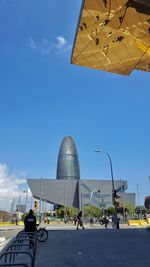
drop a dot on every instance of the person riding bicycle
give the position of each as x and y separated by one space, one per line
106 221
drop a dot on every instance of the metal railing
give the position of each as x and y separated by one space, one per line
24 244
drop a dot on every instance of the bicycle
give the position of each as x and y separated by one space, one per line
41 233
105 222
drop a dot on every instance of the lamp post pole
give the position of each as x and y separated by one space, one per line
19 202
102 202
138 196
40 206
65 202
112 176
91 196
81 201
26 201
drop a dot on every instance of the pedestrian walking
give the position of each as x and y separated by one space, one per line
106 221
115 221
79 221
16 220
91 222
118 221
75 219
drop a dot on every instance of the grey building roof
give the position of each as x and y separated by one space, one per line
74 193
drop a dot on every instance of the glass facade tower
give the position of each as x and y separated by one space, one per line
68 162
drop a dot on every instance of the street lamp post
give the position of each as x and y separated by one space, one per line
27 200
102 206
91 196
102 202
65 215
40 206
112 176
19 201
26 192
138 196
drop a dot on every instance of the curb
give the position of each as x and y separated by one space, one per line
4 244
2 241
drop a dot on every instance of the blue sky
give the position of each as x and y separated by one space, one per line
44 98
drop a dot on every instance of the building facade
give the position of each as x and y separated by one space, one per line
69 191
75 193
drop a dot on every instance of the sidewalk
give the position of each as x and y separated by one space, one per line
87 226
63 226
94 246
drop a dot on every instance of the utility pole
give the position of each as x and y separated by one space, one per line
114 196
31 202
12 205
138 197
65 215
27 200
81 198
122 198
40 206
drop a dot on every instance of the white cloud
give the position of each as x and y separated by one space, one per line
11 186
61 41
60 46
32 44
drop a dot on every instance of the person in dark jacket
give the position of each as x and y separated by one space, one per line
30 222
79 221
30 225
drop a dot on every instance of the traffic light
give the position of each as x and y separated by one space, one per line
35 204
114 199
116 203
115 194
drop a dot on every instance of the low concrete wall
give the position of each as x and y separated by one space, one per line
138 222
10 224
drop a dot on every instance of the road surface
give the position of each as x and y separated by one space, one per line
95 247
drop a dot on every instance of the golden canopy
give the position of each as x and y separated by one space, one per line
113 35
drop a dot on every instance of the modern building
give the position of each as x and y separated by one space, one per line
69 191
68 162
74 193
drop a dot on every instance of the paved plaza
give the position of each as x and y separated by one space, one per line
94 246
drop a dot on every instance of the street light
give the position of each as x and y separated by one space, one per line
91 195
26 192
40 206
81 200
65 213
19 200
112 176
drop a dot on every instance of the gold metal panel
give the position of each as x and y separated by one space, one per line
113 36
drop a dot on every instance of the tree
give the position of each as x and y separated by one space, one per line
110 210
92 211
130 208
69 211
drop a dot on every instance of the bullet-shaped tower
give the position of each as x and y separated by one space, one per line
68 162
